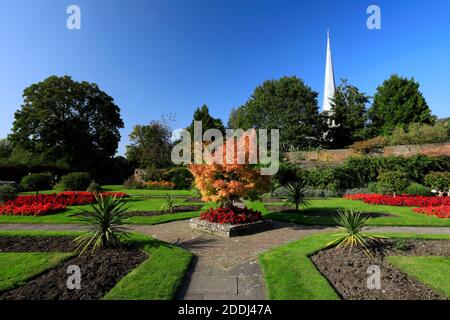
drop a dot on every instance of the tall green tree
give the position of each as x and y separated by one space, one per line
287 104
150 145
398 102
64 120
208 122
5 148
348 116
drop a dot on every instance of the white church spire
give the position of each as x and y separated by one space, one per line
330 85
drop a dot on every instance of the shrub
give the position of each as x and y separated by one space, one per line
320 193
37 182
393 181
95 188
181 177
8 192
106 220
416 189
439 181
417 133
370 146
133 184
75 181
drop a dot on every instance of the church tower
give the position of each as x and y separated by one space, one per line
330 84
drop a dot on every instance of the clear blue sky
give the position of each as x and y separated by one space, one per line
171 56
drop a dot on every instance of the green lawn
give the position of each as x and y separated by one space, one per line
159 277
133 204
17 268
290 275
119 188
401 216
433 271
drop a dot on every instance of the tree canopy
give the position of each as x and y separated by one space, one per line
398 102
208 122
64 120
150 145
348 116
287 104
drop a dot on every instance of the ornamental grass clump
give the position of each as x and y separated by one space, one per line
351 224
105 221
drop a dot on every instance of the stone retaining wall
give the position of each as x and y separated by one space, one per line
340 155
228 230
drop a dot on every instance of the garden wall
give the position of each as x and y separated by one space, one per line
329 157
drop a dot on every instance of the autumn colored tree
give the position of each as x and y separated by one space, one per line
225 181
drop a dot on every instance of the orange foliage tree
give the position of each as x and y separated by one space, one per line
225 183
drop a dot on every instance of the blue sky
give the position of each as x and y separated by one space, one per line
170 56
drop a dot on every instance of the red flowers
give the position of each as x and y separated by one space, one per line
48 203
400 200
437 206
231 216
440 211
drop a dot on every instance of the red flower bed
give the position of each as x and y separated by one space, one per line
440 211
401 200
231 216
432 206
49 203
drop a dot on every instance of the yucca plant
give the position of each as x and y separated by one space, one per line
170 203
350 225
296 193
105 220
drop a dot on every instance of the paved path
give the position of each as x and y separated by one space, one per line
223 268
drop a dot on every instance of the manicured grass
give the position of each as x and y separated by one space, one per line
133 204
17 268
290 275
131 192
433 271
401 216
159 277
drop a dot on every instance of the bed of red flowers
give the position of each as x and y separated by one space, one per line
231 216
49 203
439 211
437 206
401 200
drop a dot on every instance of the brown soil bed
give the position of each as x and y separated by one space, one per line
346 270
100 271
194 199
272 200
324 213
37 244
160 213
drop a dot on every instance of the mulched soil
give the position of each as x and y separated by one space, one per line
272 200
160 213
37 244
325 213
346 270
100 271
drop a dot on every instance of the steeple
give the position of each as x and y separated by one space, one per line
330 85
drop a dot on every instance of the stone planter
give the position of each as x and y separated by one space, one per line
229 230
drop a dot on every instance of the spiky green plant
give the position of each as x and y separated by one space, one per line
351 225
105 221
296 193
169 203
